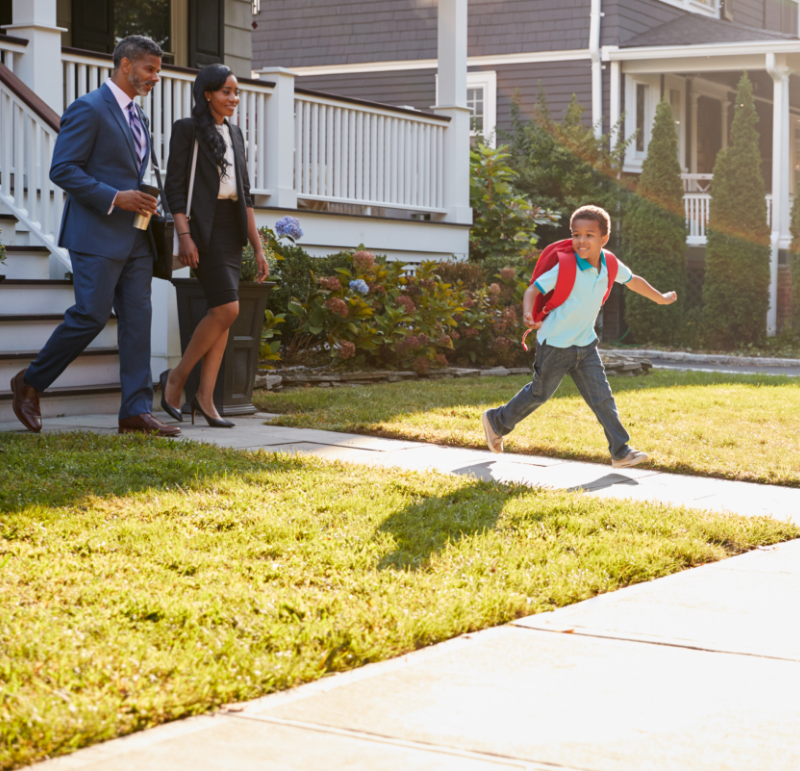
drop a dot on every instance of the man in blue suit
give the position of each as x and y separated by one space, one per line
100 158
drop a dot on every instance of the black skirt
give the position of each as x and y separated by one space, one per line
219 267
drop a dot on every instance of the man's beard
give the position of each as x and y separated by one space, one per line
142 87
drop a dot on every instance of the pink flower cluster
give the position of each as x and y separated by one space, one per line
364 261
470 332
508 274
337 307
420 365
407 303
494 289
330 283
346 349
441 359
377 289
502 344
411 343
445 341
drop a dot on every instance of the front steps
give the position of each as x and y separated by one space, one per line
32 305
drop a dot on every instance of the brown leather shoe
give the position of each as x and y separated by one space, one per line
146 424
26 403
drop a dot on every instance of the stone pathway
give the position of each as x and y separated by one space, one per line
601 480
698 671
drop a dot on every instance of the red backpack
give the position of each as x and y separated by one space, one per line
562 254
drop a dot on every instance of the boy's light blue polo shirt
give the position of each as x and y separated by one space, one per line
573 322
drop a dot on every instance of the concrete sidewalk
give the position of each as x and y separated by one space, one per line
641 484
699 670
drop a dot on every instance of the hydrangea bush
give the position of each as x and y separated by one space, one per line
376 313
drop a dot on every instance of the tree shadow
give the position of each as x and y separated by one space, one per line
424 529
67 469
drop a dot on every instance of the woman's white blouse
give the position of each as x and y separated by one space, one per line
227 185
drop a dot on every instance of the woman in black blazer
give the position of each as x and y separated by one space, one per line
213 235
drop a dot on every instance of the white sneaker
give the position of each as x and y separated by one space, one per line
633 458
493 440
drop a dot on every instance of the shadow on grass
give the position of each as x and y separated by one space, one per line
65 469
425 529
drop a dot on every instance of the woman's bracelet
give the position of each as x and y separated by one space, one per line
184 234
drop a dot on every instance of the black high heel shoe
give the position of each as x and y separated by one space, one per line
165 405
213 422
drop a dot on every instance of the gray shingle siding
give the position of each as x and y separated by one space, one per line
294 33
627 18
417 88
749 12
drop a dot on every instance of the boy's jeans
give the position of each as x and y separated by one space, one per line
586 369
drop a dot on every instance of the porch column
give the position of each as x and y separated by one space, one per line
453 103
40 66
279 138
693 149
779 72
615 103
724 104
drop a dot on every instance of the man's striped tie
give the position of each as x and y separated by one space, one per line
138 132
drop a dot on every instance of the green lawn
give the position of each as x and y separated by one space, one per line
733 426
143 580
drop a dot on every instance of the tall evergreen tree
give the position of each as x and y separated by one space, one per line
654 235
794 262
736 289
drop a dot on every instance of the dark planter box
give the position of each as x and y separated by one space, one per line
237 374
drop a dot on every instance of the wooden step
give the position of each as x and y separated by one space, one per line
26 262
102 399
36 296
30 331
94 366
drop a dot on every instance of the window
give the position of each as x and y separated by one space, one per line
476 101
641 125
482 103
705 7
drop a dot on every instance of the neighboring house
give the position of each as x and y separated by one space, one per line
356 172
617 56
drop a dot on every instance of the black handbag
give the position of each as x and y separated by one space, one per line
163 232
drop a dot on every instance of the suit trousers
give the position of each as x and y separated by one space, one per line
101 284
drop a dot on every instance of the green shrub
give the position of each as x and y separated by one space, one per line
561 165
794 262
736 289
2 250
504 221
654 235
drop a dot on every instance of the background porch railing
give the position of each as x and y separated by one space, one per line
367 154
696 206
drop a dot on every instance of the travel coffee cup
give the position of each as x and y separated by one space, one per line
141 221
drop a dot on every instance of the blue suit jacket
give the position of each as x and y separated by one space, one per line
94 157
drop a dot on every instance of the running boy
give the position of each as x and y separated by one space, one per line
567 343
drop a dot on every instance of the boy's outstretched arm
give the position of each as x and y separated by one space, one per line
527 307
640 286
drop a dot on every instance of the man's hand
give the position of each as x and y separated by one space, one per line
187 254
668 298
136 201
527 320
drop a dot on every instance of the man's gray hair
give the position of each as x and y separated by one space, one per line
134 47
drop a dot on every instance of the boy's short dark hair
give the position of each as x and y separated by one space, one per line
595 214
134 47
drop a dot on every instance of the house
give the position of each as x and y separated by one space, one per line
619 57
355 171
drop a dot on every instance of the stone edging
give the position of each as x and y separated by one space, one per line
615 363
709 358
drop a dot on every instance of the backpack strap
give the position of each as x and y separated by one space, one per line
612 266
567 267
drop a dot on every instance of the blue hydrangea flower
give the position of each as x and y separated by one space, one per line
359 285
289 226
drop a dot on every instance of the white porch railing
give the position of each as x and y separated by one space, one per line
10 49
26 150
358 153
697 206
171 100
